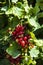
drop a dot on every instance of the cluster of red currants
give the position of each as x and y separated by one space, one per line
15 61
23 41
18 35
18 31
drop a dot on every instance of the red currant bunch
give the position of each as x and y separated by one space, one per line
19 30
23 41
15 61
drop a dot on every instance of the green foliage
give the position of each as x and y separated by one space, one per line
14 1
39 42
40 15
16 12
33 22
14 50
12 13
39 33
36 9
34 52
4 62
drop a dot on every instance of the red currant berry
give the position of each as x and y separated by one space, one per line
20 39
25 38
22 43
26 42
14 33
29 37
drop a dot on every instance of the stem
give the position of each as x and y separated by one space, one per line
9 3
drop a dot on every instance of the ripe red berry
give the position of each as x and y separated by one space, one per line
22 43
14 33
26 42
15 61
28 36
25 38
20 39
19 30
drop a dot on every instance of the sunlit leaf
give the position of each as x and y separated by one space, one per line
16 11
34 23
39 42
14 1
34 52
13 50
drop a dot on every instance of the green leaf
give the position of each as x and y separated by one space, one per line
13 21
3 19
40 15
34 23
13 50
14 1
32 35
20 5
41 54
16 12
39 33
36 9
4 62
38 42
41 6
4 8
34 52
39 0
